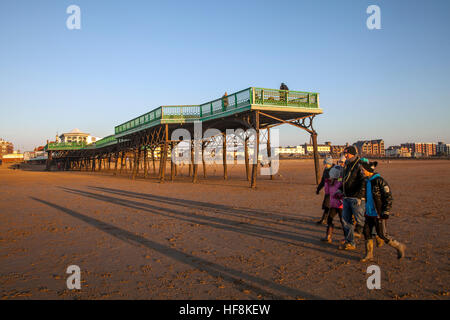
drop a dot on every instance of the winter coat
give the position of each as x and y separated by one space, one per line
382 195
333 189
353 183
325 176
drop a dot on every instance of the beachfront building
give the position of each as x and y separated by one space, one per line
290 151
12 157
38 154
6 147
322 149
76 136
336 150
420 149
372 148
398 152
443 149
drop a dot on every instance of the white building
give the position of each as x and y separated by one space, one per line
295 150
76 136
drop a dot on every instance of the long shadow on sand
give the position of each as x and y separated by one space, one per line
235 277
273 218
219 223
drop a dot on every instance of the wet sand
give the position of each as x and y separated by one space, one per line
213 240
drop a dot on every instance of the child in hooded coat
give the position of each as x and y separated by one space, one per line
328 162
333 184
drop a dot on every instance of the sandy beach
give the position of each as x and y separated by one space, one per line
213 240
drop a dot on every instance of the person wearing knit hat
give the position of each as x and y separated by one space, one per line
378 205
328 162
350 150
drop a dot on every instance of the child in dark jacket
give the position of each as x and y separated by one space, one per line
378 205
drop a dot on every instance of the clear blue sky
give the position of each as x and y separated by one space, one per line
132 56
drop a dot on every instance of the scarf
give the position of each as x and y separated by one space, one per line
370 205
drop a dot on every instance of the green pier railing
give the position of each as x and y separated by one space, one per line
224 106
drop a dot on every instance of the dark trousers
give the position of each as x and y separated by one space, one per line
332 213
380 227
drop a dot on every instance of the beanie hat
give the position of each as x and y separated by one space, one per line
351 150
369 166
335 172
328 160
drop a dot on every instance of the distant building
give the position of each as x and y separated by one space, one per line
76 136
37 155
5 147
420 149
370 147
12 157
336 149
398 152
295 150
321 148
443 149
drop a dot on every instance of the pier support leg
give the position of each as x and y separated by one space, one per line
192 158
256 153
116 162
145 162
121 161
194 163
164 153
49 161
203 160
224 154
137 155
153 160
172 164
316 156
269 153
247 167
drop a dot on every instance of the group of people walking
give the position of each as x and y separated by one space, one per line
361 199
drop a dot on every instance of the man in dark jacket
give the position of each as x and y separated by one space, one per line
353 189
377 211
